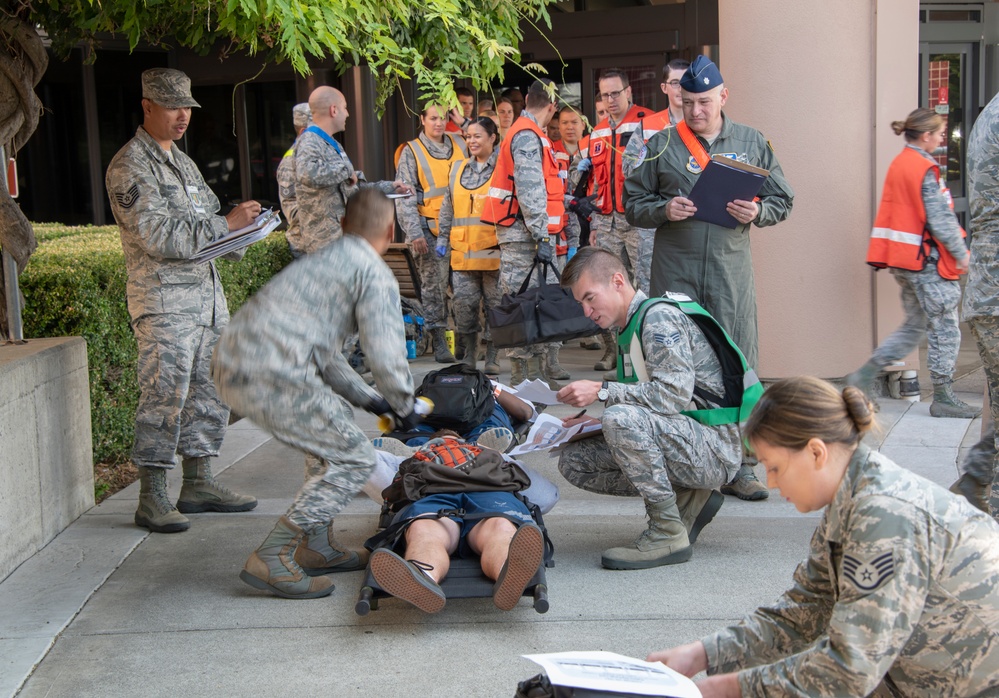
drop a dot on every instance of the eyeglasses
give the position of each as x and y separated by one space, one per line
672 83
609 96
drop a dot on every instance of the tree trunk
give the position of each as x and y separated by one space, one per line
22 65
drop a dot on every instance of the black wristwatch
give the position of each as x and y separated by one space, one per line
603 393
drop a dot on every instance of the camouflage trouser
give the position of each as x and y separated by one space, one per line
641 453
179 409
982 459
472 289
931 304
516 259
433 284
632 245
309 416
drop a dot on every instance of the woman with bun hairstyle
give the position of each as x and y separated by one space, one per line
900 591
916 235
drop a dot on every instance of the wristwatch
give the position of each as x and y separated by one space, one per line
603 393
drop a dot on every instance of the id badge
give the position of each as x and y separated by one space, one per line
195 195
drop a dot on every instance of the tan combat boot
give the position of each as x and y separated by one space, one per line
320 554
975 483
518 372
492 367
664 542
155 510
552 368
697 508
469 347
608 361
947 404
202 492
272 566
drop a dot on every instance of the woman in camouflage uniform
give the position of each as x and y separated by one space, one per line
900 592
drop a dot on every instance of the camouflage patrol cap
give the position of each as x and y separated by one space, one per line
301 115
167 87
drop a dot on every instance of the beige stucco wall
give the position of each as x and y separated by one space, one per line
822 81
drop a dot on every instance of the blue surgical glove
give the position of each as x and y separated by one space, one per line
571 253
584 165
441 250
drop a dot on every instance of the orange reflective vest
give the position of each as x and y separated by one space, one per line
432 173
473 243
900 238
502 206
653 124
605 148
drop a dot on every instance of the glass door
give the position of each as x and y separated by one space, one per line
948 85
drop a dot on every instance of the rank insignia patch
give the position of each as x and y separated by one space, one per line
868 575
128 198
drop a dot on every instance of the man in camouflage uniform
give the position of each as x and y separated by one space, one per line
981 294
866 615
528 236
279 363
710 263
166 213
647 447
301 117
324 176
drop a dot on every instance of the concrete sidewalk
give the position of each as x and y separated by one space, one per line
107 609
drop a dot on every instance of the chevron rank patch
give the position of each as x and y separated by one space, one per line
128 198
667 340
868 575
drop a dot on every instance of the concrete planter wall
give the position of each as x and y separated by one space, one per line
46 457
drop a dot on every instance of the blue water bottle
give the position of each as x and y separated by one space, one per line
410 349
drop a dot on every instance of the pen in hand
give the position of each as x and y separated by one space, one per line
577 416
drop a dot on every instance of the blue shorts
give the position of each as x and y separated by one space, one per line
473 503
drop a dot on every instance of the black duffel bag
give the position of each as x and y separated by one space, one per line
544 313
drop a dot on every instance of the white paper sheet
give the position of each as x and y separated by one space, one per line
536 391
546 432
260 228
607 671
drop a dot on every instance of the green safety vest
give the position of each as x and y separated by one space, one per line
742 386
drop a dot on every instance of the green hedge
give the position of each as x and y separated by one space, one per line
74 285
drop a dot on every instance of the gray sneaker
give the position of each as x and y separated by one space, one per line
497 438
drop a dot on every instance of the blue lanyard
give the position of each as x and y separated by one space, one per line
326 137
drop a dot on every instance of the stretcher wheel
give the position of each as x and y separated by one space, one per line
364 602
541 598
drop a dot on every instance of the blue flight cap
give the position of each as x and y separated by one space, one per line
701 76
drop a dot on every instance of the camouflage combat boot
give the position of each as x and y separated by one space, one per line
536 371
664 542
202 492
947 404
608 361
492 366
745 485
272 566
156 512
442 354
470 345
975 483
552 368
518 372
697 508
863 377
320 554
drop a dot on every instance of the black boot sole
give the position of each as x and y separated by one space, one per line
171 528
706 514
671 559
189 508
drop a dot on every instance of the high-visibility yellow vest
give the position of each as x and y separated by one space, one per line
432 173
474 246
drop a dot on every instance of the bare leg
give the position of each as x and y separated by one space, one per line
490 540
431 541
